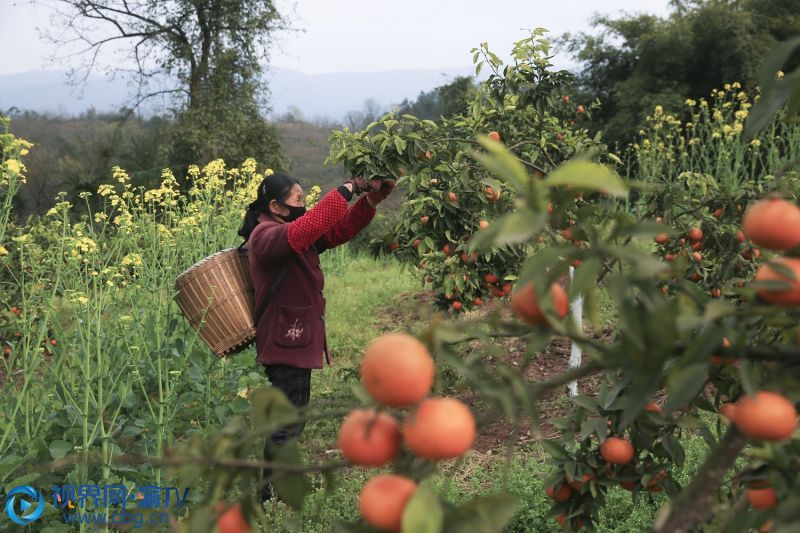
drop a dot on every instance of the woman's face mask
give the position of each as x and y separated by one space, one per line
295 212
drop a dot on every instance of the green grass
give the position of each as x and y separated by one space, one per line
357 287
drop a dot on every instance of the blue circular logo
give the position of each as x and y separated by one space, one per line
30 493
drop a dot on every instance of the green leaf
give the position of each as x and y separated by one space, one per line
519 226
515 227
588 176
555 450
718 309
593 425
503 163
59 448
485 514
673 447
291 487
684 383
587 403
271 407
423 513
585 277
689 422
774 92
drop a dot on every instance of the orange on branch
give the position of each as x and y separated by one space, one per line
232 520
369 438
617 451
563 494
773 223
397 369
440 428
384 498
786 296
762 498
767 416
526 307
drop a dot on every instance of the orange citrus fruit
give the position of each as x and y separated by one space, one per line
397 369
440 428
383 500
525 306
369 438
773 223
768 416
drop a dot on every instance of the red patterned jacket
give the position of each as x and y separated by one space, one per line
292 329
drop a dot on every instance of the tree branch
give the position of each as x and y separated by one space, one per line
693 506
173 461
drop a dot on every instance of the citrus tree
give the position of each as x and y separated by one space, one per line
714 333
450 195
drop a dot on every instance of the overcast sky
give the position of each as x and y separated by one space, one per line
365 35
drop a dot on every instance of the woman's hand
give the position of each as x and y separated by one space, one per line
384 189
359 185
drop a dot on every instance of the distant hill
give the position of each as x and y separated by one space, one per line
306 145
316 96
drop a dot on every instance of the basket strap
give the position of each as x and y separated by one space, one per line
271 294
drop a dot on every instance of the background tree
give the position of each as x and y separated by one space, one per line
446 100
206 54
637 61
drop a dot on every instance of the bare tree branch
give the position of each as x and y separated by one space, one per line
693 506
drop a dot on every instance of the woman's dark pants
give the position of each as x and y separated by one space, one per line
296 385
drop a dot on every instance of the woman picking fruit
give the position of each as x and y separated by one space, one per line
284 242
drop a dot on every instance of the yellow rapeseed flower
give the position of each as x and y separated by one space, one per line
14 166
755 143
120 175
741 114
3 250
779 75
249 165
76 297
690 102
658 111
716 135
132 259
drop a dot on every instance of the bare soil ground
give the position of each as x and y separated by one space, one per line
412 308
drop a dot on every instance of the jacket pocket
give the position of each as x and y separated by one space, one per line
292 327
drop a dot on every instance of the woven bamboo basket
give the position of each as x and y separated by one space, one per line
217 298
